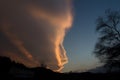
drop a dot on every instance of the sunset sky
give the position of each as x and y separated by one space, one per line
58 33
80 40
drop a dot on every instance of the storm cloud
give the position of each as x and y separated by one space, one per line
32 31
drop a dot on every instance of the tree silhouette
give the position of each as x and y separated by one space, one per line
43 65
107 48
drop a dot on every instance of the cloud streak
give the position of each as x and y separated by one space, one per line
36 31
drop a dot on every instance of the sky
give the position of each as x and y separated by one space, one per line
80 40
58 33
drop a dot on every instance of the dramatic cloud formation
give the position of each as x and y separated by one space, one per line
32 31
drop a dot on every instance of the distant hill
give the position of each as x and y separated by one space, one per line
100 69
17 70
9 70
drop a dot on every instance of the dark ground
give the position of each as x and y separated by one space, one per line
10 70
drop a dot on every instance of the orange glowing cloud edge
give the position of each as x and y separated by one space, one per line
64 23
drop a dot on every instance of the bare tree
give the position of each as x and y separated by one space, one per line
107 48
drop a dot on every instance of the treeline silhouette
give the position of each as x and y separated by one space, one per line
10 70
